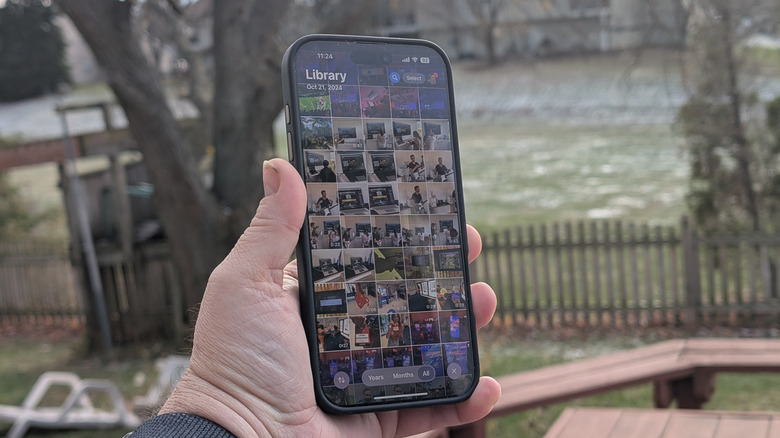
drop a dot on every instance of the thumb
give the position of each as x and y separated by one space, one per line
266 245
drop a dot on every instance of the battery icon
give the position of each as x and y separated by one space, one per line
425 60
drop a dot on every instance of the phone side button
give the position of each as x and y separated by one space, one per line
289 147
287 114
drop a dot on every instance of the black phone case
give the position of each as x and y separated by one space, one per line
303 249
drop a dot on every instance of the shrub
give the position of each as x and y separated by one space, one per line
32 50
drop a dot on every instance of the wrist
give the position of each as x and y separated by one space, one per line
196 396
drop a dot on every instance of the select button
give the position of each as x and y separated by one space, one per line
414 78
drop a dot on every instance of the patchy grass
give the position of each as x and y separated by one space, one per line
533 172
766 59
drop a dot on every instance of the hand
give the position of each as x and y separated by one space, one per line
250 370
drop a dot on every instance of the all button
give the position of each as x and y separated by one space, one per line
426 373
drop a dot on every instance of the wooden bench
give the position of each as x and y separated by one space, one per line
682 370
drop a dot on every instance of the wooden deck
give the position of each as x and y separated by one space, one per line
681 370
661 423
667 364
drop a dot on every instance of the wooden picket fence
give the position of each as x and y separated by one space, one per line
595 273
621 274
37 281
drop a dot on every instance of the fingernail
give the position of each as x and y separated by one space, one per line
270 178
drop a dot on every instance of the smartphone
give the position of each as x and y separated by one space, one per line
382 256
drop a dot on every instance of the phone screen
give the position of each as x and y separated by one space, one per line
374 139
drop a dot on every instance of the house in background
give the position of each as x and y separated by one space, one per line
528 28
463 28
84 68
534 27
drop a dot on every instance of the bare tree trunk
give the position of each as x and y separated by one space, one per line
490 43
248 49
189 214
247 99
743 152
249 39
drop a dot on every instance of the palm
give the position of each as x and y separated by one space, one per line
261 348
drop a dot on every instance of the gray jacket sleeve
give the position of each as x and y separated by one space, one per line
178 425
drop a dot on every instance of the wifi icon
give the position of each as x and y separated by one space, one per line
415 59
